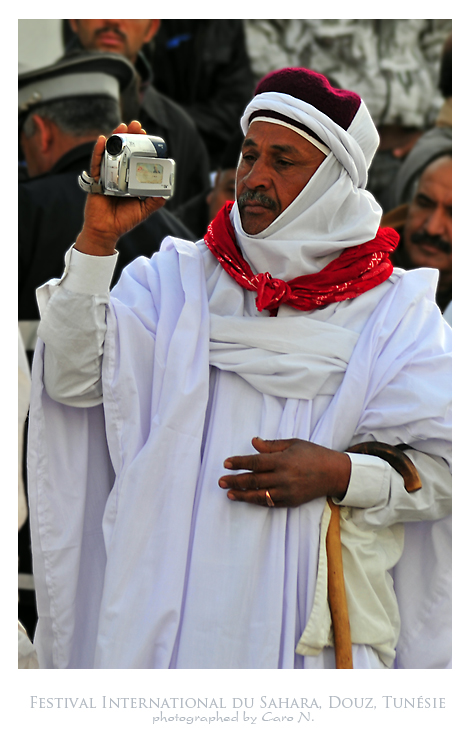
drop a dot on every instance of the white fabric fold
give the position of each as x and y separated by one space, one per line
289 359
316 143
342 143
147 582
374 618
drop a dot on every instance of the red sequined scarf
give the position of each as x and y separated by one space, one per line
354 272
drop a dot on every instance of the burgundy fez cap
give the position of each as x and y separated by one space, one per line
339 105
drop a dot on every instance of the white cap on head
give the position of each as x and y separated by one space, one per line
82 74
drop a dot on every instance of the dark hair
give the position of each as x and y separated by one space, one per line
445 73
78 116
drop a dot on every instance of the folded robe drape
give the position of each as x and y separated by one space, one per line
141 560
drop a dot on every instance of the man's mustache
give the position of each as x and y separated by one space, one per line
258 197
434 240
113 29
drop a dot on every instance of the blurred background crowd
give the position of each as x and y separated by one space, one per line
189 81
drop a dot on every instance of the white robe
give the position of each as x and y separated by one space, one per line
141 561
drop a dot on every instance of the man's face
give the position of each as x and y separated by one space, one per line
125 37
428 228
276 164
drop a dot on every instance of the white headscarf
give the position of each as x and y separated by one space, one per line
332 212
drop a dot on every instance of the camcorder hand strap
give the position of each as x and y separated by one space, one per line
88 184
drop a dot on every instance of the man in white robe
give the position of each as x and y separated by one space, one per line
286 332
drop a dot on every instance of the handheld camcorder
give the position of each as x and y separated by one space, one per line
133 165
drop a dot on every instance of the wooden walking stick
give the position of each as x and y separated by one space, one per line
336 586
337 592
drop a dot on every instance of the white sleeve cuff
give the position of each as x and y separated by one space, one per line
88 274
83 274
369 483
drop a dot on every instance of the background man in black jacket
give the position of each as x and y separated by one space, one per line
62 109
157 114
57 135
203 65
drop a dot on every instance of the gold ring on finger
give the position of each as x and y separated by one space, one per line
269 500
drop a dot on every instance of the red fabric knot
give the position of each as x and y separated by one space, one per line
271 291
355 271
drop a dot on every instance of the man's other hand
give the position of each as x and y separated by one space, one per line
292 471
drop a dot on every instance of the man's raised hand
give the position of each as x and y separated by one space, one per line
109 217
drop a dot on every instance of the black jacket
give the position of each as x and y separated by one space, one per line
203 65
164 118
50 215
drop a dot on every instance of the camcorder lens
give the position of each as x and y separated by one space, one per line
114 145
